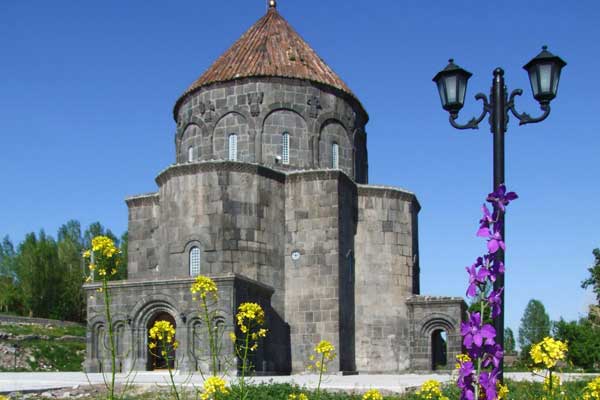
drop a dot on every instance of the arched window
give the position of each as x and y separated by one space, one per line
190 154
335 155
233 147
194 261
285 148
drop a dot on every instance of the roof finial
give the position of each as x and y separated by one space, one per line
272 4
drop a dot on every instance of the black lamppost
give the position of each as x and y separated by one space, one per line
544 75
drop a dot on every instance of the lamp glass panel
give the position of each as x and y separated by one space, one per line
555 78
545 71
462 88
533 78
451 91
440 85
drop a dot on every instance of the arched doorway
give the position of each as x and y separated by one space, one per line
439 349
155 360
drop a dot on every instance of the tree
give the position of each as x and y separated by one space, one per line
535 326
39 274
594 278
10 296
584 342
70 248
122 270
509 341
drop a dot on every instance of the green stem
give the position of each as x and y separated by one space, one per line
550 384
211 338
244 366
321 367
113 356
165 349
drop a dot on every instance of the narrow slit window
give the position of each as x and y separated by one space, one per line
285 150
233 147
194 261
190 154
335 156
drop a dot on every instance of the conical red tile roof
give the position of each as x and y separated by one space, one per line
270 48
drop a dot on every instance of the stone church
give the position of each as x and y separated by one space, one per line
269 196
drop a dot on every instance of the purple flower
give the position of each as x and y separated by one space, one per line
488 381
484 223
475 334
476 277
495 242
493 355
500 198
495 301
465 380
496 268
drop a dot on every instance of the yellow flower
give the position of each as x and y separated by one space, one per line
502 391
431 389
299 396
592 390
105 246
232 337
325 353
372 394
162 329
262 332
152 345
548 352
555 382
87 254
175 344
92 267
250 312
212 386
204 286
326 349
88 279
461 359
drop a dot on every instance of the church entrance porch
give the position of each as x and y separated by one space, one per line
160 358
137 305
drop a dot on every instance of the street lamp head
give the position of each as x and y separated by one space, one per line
452 86
544 75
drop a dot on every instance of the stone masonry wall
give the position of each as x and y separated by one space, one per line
232 212
312 300
142 227
260 110
384 277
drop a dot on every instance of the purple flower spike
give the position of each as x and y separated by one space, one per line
476 277
495 301
495 243
496 268
465 381
493 355
488 381
484 223
474 334
500 198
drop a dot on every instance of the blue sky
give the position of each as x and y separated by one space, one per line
87 90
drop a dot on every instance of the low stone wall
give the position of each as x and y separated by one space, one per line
14 319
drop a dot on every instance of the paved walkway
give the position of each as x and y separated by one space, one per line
41 381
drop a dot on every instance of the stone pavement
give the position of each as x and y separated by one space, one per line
42 381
